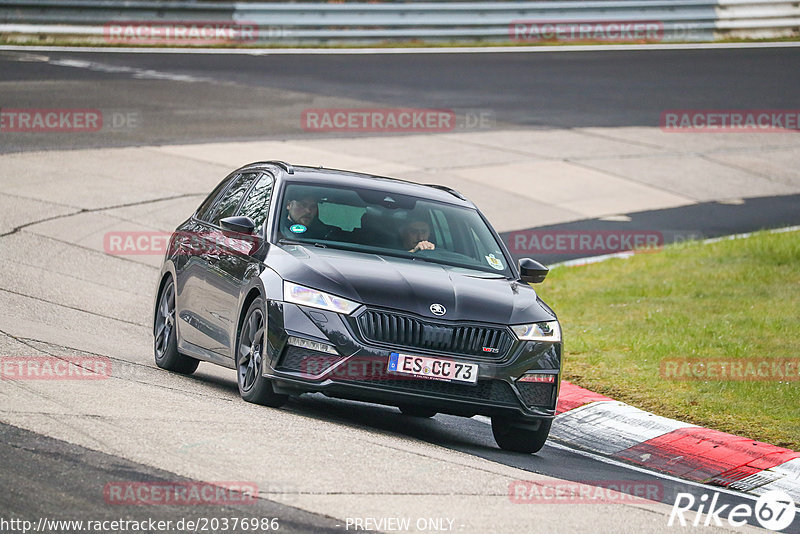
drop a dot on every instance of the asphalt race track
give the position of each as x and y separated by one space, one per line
197 98
318 462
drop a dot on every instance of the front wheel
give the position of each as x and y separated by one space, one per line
513 435
250 353
166 336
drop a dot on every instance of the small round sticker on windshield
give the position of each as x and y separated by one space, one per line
298 228
494 262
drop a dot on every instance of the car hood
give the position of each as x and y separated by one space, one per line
410 285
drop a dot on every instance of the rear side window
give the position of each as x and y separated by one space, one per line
204 211
226 207
256 205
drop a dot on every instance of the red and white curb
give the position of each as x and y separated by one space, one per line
598 424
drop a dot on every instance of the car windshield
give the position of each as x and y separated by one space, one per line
381 222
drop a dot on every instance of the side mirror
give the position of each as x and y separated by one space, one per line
241 225
531 271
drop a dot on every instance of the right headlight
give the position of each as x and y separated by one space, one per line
545 331
307 296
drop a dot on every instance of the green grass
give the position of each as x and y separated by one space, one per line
730 299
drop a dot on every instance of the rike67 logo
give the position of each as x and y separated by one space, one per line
774 510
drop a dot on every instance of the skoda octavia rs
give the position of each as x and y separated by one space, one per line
360 287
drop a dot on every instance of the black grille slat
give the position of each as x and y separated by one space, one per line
416 333
470 341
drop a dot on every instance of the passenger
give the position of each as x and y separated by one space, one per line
415 234
302 218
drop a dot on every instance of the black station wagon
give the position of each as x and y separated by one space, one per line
361 287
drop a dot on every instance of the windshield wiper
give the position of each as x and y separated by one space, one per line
284 241
420 258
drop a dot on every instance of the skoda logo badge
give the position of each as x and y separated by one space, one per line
438 309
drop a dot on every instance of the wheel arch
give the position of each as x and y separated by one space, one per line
252 294
165 275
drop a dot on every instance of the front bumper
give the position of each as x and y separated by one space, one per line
358 369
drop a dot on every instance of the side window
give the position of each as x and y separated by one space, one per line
256 205
205 209
231 198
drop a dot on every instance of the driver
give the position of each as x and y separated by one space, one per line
415 235
302 218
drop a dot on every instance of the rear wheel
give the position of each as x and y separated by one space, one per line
514 435
416 411
166 335
249 356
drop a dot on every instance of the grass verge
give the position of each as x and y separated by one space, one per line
735 300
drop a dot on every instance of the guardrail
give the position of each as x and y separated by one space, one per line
524 22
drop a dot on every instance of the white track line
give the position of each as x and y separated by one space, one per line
380 51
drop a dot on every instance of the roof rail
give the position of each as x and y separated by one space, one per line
448 189
282 164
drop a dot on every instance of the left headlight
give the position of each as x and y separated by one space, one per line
545 331
306 296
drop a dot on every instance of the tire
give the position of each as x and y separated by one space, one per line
165 335
249 355
512 435
417 411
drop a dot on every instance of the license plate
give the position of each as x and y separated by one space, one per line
433 368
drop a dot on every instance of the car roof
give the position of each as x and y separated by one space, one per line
337 177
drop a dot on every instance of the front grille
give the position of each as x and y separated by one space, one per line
309 362
496 391
490 343
536 394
